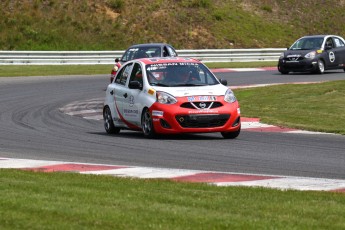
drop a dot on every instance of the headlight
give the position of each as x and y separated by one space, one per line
281 56
310 55
165 98
229 96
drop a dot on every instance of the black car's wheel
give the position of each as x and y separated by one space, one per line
108 121
320 67
231 135
147 124
282 70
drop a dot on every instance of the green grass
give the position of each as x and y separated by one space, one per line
31 200
51 70
316 107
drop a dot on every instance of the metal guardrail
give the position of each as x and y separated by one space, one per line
107 57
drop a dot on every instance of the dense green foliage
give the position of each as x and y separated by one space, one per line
186 24
72 201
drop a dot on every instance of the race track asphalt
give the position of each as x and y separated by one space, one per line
33 127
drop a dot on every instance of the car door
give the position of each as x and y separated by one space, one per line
134 98
339 51
119 92
332 56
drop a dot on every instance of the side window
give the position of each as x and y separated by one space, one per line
165 52
137 73
172 51
329 43
121 78
206 77
338 42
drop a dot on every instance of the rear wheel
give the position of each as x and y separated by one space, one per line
147 124
320 67
108 122
231 135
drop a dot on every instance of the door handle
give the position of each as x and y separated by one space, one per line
125 95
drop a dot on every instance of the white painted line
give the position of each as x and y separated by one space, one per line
295 183
22 163
81 112
146 172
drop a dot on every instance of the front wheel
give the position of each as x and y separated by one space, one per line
320 67
147 124
282 70
231 135
108 122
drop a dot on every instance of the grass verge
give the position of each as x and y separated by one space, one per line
33 200
53 70
315 107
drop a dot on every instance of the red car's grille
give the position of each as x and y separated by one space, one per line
202 120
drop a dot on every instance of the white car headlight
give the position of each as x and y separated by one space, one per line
281 56
310 55
165 98
229 96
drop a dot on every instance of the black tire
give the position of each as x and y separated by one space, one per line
282 70
320 67
108 122
147 124
231 135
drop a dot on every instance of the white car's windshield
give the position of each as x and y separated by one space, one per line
179 74
307 44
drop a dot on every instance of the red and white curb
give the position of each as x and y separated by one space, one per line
180 175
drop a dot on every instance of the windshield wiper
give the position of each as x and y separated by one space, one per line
158 84
188 84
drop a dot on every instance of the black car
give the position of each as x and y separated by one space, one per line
314 54
147 51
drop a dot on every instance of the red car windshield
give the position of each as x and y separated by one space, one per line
179 74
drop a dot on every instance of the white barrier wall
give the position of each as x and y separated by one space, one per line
107 57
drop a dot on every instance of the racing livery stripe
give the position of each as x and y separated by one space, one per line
130 125
181 175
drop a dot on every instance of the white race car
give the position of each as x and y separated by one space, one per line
169 96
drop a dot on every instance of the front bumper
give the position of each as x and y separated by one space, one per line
179 118
305 65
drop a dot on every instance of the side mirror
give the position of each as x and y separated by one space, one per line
223 82
135 85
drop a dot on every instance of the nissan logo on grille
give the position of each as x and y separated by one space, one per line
202 105
293 57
